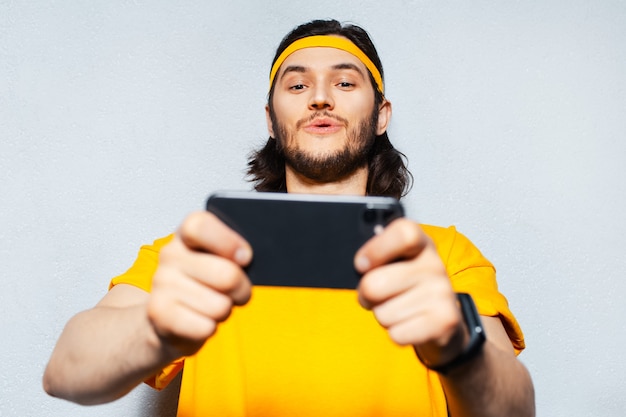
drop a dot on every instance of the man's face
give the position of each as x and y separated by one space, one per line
323 114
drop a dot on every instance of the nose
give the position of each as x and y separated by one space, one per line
321 99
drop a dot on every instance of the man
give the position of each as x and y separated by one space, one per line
186 302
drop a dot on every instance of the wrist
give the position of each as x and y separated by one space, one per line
475 341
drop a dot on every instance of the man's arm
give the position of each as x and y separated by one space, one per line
129 335
106 351
407 287
494 383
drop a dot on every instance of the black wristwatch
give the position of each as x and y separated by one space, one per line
476 332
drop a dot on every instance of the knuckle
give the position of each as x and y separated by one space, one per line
230 277
400 335
166 255
159 280
209 330
163 279
410 234
170 252
449 322
241 295
371 287
191 224
160 321
383 318
448 319
221 308
195 229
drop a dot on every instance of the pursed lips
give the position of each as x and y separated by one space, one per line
323 126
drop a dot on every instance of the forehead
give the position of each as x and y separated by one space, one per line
320 58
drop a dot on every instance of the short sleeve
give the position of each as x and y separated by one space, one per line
472 273
141 272
162 378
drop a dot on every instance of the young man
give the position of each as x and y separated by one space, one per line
407 350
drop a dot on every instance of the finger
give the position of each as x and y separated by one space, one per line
434 326
406 322
203 231
433 297
193 295
400 308
209 270
389 280
413 331
385 282
182 327
402 239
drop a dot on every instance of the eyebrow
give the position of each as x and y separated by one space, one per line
303 69
349 66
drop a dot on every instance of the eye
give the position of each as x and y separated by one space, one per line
345 85
297 87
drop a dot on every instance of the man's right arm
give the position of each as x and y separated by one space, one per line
106 351
130 334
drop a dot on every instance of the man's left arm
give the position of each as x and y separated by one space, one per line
407 287
494 383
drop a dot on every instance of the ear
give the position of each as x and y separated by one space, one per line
384 116
268 120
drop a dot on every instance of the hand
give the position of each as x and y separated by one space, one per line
199 279
406 285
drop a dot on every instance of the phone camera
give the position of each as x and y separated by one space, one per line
369 215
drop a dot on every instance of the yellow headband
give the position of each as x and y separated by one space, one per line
329 42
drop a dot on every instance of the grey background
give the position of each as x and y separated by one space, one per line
118 118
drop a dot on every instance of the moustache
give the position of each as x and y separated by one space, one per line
319 114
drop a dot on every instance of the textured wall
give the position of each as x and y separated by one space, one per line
117 118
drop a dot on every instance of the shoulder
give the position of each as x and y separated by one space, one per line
454 248
439 233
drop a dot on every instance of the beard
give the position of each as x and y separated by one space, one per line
333 165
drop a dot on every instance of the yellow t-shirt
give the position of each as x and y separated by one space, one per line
313 352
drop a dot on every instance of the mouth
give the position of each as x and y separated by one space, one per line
322 125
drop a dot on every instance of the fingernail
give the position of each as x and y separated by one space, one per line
362 263
243 256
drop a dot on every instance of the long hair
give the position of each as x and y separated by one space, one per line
388 174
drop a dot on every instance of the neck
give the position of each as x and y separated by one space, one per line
353 184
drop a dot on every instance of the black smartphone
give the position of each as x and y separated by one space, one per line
304 240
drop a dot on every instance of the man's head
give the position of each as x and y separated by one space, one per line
327 114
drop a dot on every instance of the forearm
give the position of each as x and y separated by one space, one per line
102 354
493 384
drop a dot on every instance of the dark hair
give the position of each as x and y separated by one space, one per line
387 171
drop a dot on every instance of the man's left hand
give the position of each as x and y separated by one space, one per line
406 286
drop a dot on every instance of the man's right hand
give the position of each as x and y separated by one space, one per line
199 279
105 351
